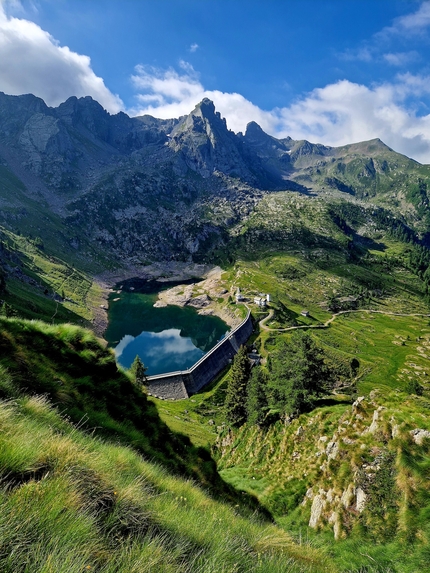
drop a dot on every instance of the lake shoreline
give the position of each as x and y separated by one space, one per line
208 282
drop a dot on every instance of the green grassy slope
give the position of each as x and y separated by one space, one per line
315 466
326 258
72 503
24 213
76 493
67 364
371 172
319 253
41 285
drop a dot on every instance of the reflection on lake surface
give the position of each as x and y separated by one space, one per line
156 348
166 339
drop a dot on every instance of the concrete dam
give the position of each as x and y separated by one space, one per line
182 384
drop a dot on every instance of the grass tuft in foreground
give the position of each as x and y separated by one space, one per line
70 502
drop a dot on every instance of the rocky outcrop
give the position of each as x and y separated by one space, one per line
419 436
318 506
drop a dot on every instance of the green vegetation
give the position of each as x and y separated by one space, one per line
34 221
137 371
325 457
72 503
200 416
235 400
330 433
67 364
298 375
76 499
40 285
256 400
362 262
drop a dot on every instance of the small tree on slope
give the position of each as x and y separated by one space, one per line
235 401
138 370
256 402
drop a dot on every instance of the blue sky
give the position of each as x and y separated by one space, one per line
332 71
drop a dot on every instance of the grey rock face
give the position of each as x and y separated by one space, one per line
318 505
142 188
419 436
125 184
208 146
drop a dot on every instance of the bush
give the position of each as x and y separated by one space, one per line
414 387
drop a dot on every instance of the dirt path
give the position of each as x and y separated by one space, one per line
327 323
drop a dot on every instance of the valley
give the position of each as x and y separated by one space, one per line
96 209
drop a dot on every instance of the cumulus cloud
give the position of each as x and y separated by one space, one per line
32 61
337 114
169 93
345 112
194 48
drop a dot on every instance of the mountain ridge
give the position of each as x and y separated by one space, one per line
154 189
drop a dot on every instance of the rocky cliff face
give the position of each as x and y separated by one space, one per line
206 144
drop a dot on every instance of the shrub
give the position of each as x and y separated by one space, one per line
414 387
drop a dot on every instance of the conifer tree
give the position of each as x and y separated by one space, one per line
7 310
138 370
235 401
298 375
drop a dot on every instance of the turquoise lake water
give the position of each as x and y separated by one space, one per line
166 339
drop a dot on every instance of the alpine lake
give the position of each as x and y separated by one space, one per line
166 339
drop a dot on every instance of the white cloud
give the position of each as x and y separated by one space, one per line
168 93
32 61
409 27
194 48
347 112
414 23
125 341
401 59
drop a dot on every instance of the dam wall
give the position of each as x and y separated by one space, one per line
182 384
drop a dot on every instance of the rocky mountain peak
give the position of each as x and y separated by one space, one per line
253 129
205 116
206 106
16 110
85 112
207 145
255 136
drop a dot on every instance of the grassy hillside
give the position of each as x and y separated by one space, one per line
360 472
355 473
25 213
68 365
72 503
41 285
76 492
